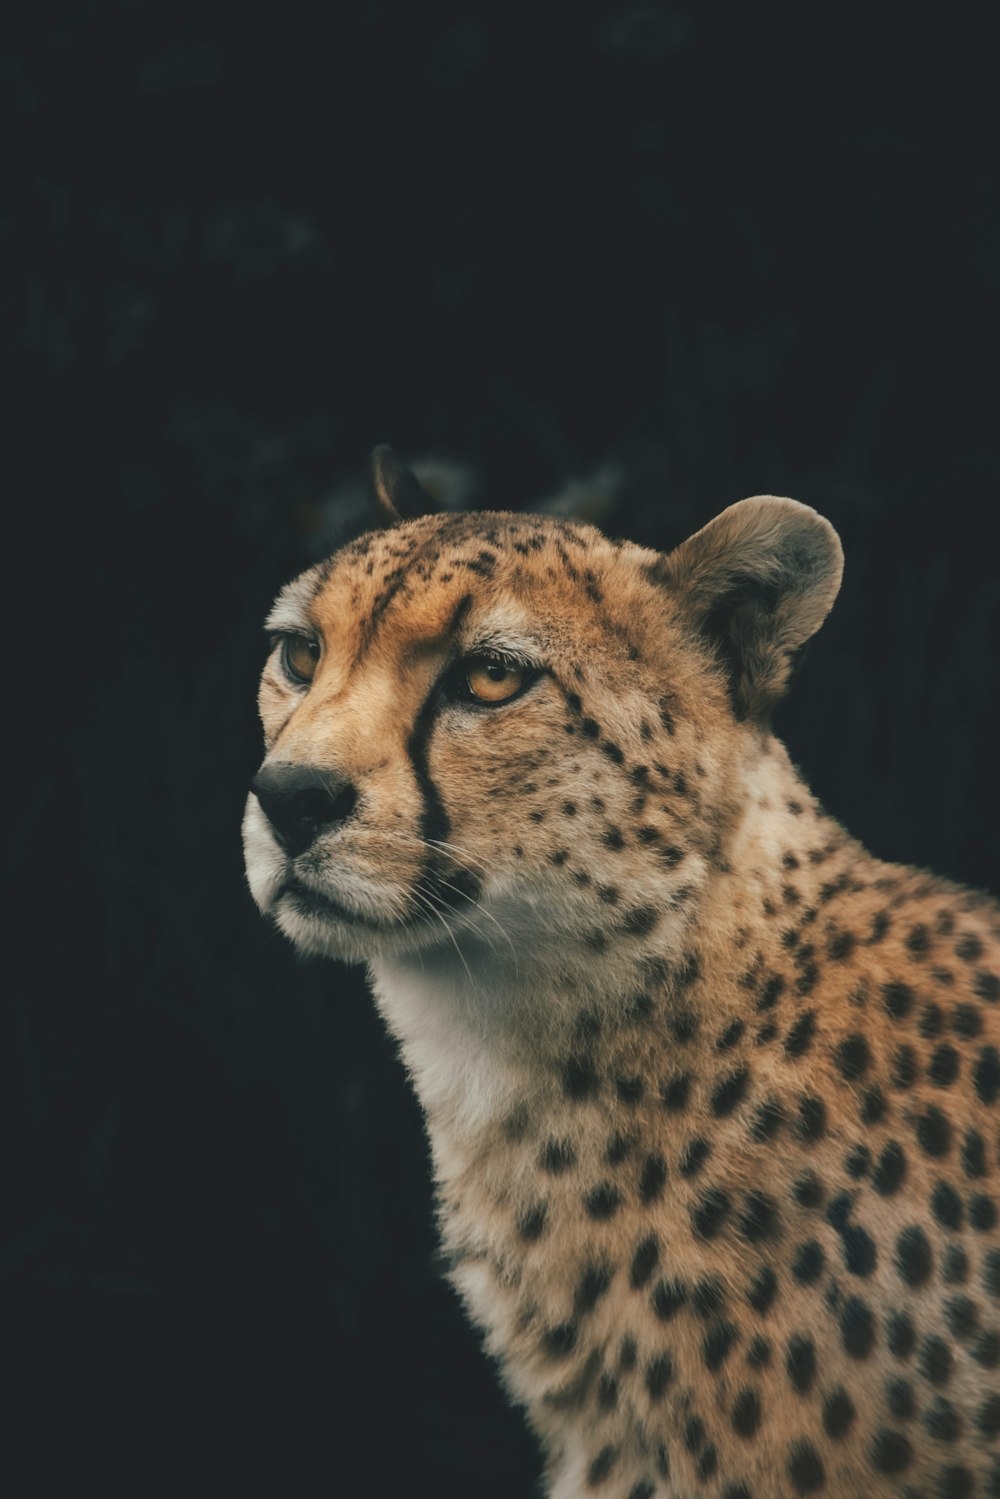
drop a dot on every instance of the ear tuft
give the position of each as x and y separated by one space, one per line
399 495
759 580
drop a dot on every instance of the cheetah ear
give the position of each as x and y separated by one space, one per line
399 495
759 581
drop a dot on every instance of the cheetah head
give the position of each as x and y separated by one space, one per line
493 734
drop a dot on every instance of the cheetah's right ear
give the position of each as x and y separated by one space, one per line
399 495
759 581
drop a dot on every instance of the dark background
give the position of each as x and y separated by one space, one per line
700 250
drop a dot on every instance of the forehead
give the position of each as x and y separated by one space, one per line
426 571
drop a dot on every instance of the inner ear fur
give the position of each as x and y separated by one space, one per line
758 581
399 495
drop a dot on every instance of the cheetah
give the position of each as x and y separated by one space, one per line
712 1094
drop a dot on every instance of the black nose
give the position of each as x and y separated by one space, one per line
301 801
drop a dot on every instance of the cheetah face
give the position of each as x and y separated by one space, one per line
448 717
493 734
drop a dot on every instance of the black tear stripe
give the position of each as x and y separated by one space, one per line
452 885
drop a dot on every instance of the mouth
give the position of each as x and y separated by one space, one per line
306 901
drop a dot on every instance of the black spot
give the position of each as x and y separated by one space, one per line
954 1483
668 1298
763 1289
709 1213
659 1373
613 838
707 1463
696 1153
860 1255
988 1416
914 1260
852 1057
800 1363
694 1433
591 1287
708 1297
628 1354
640 921
986 1075
579 1079
602 1202
613 752
805 1468
838 1414
811 1123
967 1022
745 1414
931 1022
654 1175
900 1399
607 1392
955 1267
935 1361
891 1452
903 1073
800 1037
608 894
901 1336
729 1093
986 1349
718 1343
982 1213
591 728
601 1467
759 1353
857 1328
556 1156
644 1261
898 1000
880 926
934 1133
943 1422
768 1120
858 1161
629 1089
808 1191
991 1272
684 1025
973 1154
946 1205
839 1211
872 1106
968 947
962 1316
760 1218
918 940
808 1262
732 1033
674 1095
531 1224
620 1147
560 1341
770 992
987 986
642 1490
942 1069
840 946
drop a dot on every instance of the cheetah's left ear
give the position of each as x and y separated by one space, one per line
399 495
759 581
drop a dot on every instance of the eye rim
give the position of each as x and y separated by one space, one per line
461 691
283 640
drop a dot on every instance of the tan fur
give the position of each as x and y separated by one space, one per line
678 1033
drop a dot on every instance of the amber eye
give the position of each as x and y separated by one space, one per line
492 680
299 656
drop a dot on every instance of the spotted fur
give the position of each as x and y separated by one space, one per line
712 1093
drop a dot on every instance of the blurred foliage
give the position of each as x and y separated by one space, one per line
670 254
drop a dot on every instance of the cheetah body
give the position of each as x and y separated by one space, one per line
712 1094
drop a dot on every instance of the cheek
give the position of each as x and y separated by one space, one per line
275 708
